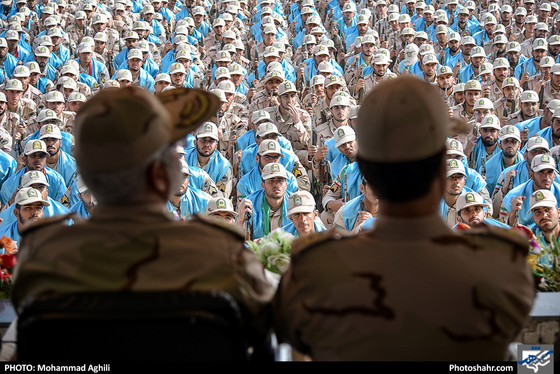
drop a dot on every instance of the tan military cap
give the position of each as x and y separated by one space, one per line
301 202
403 119
29 195
269 146
274 170
543 198
118 128
220 204
468 199
33 177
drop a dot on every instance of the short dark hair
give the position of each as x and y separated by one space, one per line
386 178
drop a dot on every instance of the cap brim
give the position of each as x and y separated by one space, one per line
34 200
301 209
543 167
235 214
188 108
344 140
485 204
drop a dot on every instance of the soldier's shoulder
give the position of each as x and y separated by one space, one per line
219 225
48 223
307 245
486 235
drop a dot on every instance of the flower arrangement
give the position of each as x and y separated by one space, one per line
273 250
7 263
543 258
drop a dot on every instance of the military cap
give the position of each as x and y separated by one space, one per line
220 204
301 202
510 131
207 130
542 162
418 109
468 199
286 87
122 127
274 170
343 135
269 146
542 198
33 177
537 142
29 195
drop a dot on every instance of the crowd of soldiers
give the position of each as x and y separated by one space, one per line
291 76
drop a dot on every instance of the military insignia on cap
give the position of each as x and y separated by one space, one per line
49 113
340 133
540 42
32 193
4 141
538 140
545 158
481 102
208 128
539 196
454 144
272 146
189 107
510 80
288 86
268 126
483 67
473 84
37 145
529 95
297 201
49 128
221 204
275 168
490 120
510 130
33 174
444 69
469 198
453 164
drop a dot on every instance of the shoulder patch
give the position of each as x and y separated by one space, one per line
219 224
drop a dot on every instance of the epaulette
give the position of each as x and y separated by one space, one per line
511 236
220 224
310 241
47 221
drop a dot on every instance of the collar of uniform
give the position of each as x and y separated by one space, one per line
413 228
138 212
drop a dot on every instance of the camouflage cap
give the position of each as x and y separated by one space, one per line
418 109
121 127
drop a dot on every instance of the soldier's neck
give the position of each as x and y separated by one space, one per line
555 231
